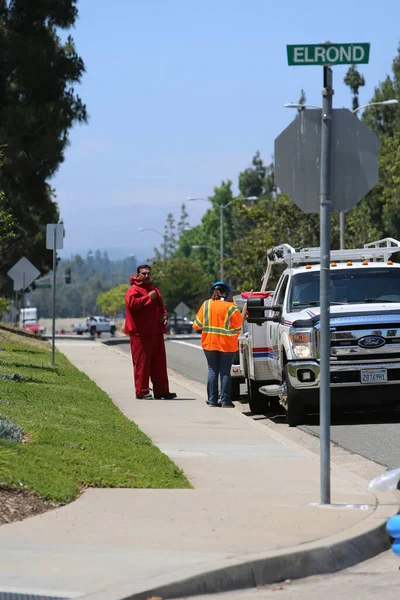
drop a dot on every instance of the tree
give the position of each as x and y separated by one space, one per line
38 107
251 180
113 301
388 189
385 120
354 80
183 223
4 306
7 222
169 245
181 279
302 100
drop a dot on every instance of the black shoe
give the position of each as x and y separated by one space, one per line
229 405
145 397
167 396
212 404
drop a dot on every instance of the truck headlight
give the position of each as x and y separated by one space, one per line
301 342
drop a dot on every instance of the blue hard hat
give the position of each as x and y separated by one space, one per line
221 284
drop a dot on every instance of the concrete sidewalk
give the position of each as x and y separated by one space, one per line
252 518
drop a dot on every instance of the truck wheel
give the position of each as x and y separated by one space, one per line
79 332
274 405
295 410
235 389
257 401
112 331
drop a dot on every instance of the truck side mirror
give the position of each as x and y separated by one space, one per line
256 311
278 313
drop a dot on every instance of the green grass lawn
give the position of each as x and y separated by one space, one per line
77 437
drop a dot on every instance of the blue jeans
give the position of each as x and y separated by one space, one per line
219 365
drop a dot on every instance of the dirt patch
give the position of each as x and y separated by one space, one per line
16 505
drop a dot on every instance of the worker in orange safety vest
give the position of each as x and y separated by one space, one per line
220 323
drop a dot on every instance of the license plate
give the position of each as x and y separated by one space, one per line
374 376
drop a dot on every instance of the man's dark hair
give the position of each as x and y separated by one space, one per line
140 267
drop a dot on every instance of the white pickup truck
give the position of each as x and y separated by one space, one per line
279 343
95 326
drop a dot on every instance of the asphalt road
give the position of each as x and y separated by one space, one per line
187 357
368 434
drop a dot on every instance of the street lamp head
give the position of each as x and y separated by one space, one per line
301 106
382 103
251 198
140 229
196 246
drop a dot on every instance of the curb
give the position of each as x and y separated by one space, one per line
116 341
316 558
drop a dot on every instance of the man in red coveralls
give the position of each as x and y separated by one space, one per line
145 322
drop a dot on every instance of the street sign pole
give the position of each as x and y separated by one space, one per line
325 242
53 336
23 290
54 241
326 164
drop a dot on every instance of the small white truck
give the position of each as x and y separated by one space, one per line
279 343
95 326
28 320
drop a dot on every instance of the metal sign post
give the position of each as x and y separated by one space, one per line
53 330
54 241
326 161
325 243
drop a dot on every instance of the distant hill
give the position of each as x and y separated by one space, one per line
90 276
113 253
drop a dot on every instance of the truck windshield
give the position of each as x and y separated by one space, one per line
351 286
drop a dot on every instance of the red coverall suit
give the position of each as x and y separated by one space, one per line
143 325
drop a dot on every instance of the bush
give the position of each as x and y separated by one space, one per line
10 431
13 377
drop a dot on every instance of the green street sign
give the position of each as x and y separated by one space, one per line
42 286
328 54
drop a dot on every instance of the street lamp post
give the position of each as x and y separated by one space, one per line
221 228
342 214
163 235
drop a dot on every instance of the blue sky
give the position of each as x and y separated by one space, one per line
182 94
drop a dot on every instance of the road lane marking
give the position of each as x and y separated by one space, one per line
186 344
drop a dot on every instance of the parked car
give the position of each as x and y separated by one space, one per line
95 326
179 325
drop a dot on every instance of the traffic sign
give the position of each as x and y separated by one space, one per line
328 54
59 231
23 273
182 310
354 160
42 286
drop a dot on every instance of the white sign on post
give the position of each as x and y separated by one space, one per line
23 273
59 227
182 310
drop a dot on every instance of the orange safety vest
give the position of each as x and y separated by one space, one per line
220 323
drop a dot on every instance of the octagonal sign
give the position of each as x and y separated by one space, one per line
354 160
